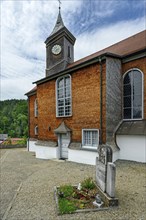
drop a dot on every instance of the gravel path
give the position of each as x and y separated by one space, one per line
26 188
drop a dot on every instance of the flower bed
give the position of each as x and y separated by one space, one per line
79 198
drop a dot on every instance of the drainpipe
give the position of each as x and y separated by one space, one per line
100 62
28 122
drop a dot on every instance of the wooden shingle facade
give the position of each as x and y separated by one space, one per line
79 106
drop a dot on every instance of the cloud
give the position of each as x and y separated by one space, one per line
26 24
88 43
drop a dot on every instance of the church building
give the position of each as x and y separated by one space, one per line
98 100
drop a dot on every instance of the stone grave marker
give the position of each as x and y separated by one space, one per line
106 175
105 156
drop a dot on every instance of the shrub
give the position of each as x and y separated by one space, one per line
23 141
88 183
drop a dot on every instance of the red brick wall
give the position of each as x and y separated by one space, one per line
85 104
33 121
141 65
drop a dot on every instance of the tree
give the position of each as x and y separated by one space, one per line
14 117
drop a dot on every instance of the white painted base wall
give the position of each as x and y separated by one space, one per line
81 156
43 152
31 146
132 147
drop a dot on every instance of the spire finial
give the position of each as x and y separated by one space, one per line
59 1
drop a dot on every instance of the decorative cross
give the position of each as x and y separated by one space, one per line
59 3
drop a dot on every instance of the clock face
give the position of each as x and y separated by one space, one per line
56 49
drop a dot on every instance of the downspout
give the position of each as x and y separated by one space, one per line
100 62
28 123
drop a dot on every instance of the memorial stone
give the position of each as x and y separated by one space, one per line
106 175
105 156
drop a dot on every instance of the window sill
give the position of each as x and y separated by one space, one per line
93 149
133 119
68 116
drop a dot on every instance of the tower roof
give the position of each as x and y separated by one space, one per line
60 30
59 24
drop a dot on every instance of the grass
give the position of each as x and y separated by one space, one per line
66 190
66 206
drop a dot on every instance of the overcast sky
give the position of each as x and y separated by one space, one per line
25 25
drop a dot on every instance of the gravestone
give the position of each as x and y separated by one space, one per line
106 175
105 156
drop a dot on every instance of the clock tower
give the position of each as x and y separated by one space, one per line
59 48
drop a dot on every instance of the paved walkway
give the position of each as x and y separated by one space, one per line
26 191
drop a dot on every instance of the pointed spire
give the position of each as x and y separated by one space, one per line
59 23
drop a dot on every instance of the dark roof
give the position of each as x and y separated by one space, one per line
59 24
132 128
59 30
32 91
62 129
129 46
123 48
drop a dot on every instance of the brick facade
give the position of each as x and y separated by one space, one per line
85 86
85 104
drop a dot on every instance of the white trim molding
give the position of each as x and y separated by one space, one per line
91 138
142 92
65 97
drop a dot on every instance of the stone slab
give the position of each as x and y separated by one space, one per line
101 174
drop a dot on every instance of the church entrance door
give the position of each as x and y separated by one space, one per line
64 143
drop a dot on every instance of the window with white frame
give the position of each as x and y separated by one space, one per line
63 89
36 130
36 108
90 138
133 95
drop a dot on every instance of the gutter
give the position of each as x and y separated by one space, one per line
100 62
76 67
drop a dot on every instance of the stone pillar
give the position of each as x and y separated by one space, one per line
110 181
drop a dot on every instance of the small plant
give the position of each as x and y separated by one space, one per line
23 141
70 198
66 190
66 206
8 141
88 183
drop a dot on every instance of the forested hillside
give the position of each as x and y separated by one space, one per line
14 118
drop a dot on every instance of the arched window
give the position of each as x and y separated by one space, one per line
36 130
133 95
63 89
35 108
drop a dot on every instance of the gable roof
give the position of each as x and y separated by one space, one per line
32 91
123 48
62 129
